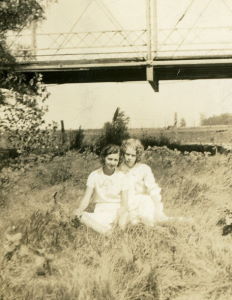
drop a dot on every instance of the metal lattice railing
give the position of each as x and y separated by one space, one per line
130 44
81 45
199 41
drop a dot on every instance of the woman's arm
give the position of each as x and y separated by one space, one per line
152 187
84 201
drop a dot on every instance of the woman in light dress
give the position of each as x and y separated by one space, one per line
125 195
106 186
144 203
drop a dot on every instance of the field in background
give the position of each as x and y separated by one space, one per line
44 255
204 134
218 135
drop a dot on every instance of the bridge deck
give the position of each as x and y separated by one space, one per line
119 70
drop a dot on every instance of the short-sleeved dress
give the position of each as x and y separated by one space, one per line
141 188
107 196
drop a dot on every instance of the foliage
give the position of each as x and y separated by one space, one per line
77 140
58 172
23 122
114 132
22 96
161 140
182 122
173 144
14 16
222 119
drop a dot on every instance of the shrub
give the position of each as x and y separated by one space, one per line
114 132
161 140
222 119
173 144
23 121
58 172
77 140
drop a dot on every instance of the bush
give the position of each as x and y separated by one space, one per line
159 141
163 140
77 139
222 119
23 121
58 172
114 132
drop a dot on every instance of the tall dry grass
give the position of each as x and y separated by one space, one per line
44 255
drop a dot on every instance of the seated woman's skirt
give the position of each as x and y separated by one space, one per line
142 209
103 217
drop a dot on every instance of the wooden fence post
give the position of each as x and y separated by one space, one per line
62 132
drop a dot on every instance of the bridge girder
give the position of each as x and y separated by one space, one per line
61 72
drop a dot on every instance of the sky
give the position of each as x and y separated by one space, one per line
91 105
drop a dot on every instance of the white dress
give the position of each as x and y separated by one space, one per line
142 190
107 196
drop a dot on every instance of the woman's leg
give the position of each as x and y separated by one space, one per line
133 210
102 219
92 220
149 212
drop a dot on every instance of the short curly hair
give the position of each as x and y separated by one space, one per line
107 150
134 144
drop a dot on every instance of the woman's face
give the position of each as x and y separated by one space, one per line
130 157
111 161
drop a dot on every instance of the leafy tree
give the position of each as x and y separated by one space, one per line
114 132
78 139
222 119
202 117
21 97
14 16
182 122
23 123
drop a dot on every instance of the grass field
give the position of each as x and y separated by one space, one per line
218 134
44 255
205 134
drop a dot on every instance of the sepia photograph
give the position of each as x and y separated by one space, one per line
115 149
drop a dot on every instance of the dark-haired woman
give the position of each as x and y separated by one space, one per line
106 186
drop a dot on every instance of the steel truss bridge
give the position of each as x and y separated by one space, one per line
147 54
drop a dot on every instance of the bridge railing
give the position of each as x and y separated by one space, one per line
80 45
197 41
122 44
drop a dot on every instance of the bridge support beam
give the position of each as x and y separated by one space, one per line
152 78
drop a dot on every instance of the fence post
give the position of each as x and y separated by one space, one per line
62 132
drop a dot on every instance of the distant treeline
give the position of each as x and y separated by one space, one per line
222 119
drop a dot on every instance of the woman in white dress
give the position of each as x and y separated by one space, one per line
107 188
144 203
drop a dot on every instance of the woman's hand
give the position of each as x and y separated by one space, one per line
78 212
157 201
76 220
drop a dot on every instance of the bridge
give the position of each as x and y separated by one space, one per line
196 45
